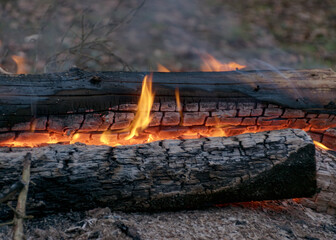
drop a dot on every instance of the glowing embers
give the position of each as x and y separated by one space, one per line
210 64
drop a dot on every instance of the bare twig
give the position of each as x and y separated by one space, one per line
7 223
89 38
20 213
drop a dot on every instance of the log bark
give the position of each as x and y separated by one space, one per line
77 91
165 175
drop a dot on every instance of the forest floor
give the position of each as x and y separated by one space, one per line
258 220
136 35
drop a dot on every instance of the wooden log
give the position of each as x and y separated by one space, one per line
77 91
165 175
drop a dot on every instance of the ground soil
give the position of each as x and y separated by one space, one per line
266 220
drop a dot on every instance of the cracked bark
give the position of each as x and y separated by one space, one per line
24 96
165 175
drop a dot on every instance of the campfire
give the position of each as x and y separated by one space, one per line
118 119
203 118
165 140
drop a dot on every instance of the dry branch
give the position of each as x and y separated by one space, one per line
20 213
168 174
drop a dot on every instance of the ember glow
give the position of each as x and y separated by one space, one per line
211 64
218 130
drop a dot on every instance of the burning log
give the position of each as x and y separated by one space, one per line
83 106
165 175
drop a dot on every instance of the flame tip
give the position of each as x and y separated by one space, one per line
320 145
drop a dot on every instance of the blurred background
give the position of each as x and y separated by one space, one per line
38 36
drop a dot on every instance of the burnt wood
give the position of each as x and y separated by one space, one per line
25 96
165 175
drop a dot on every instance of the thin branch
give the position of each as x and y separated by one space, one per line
7 223
21 204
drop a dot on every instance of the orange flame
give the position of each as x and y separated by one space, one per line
210 64
320 145
21 64
142 117
161 68
74 138
104 137
178 103
218 130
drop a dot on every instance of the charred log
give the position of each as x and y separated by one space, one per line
77 91
165 175
53 107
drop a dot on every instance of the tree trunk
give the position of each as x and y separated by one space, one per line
165 175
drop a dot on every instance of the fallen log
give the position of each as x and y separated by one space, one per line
165 175
25 96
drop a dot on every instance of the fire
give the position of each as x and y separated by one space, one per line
141 120
75 137
21 64
218 131
320 145
162 68
137 132
142 117
178 103
211 64
104 137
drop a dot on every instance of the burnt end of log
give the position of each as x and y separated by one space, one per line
165 175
